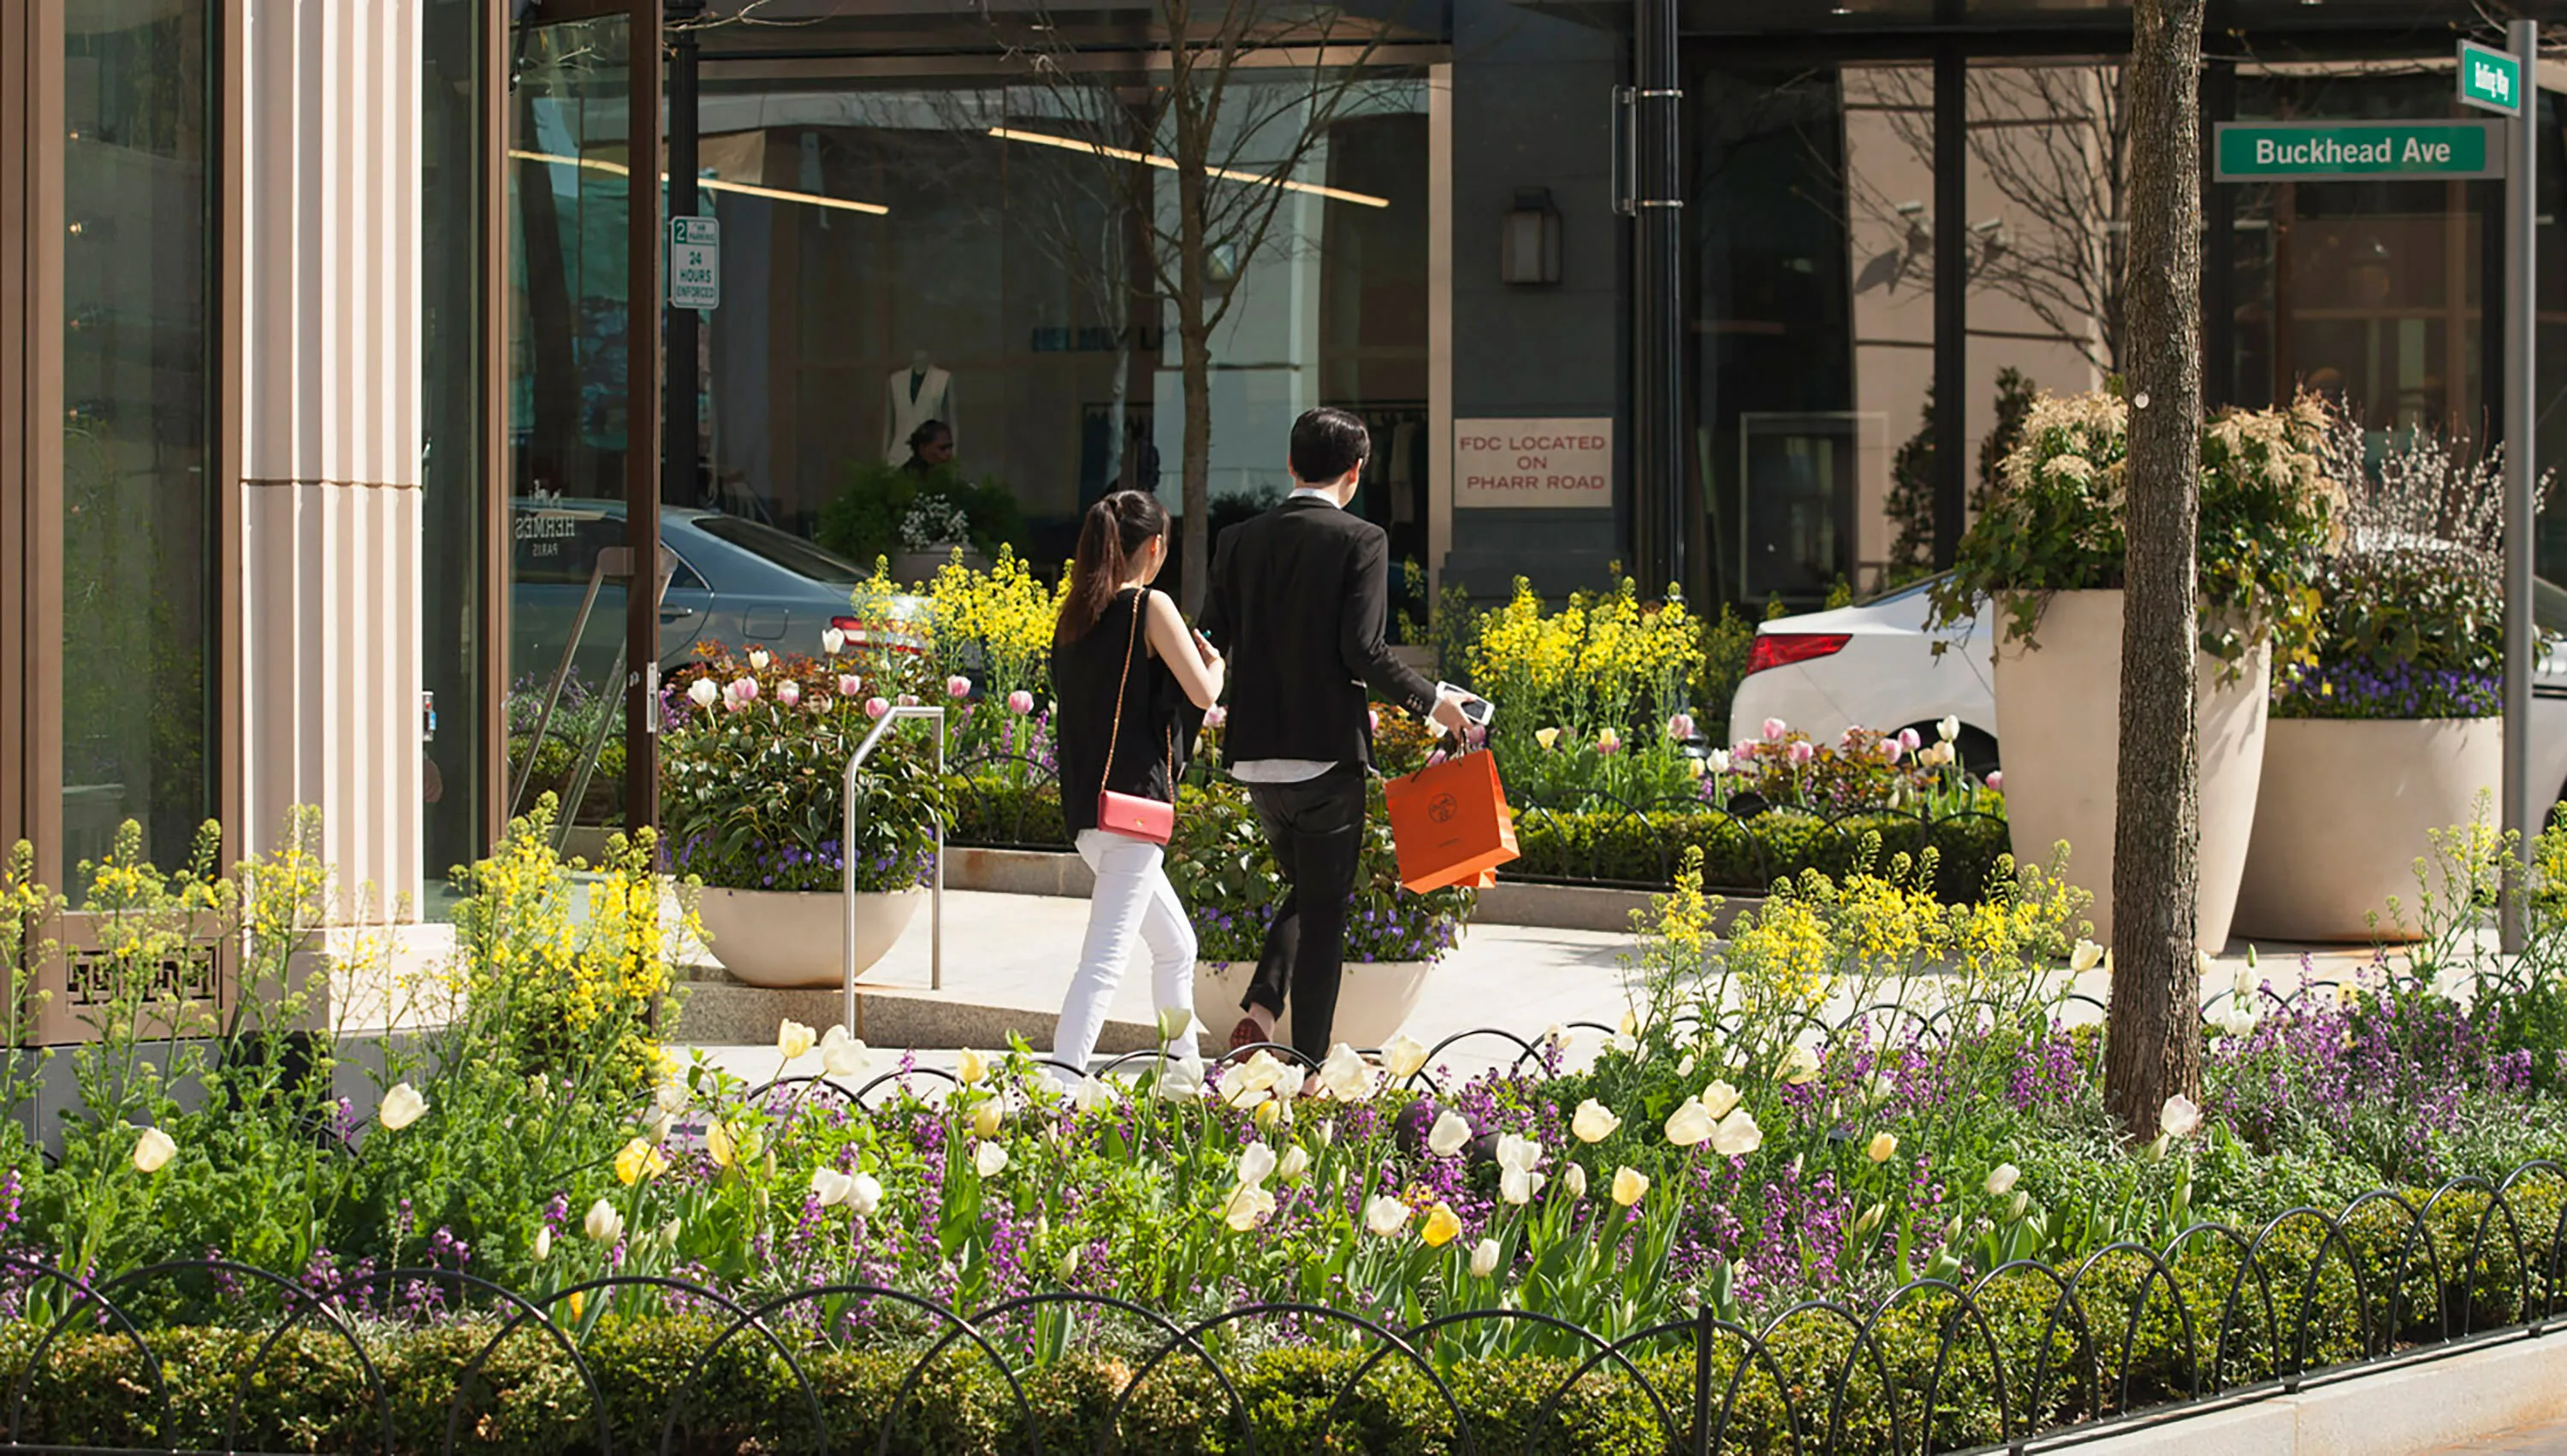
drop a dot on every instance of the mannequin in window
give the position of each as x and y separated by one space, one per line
931 446
911 398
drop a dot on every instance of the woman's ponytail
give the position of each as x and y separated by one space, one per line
1109 539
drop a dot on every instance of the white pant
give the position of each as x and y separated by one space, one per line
1133 898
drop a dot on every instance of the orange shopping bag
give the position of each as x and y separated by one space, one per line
1451 824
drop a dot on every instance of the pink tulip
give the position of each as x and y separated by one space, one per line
1435 759
1909 740
1744 750
849 684
1376 719
1021 702
1681 725
1893 750
1996 780
1216 717
909 700
1802 752
788 693
1775 727
741 693
876 708
958 687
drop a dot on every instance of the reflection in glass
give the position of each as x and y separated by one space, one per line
454 493
138 541
569 195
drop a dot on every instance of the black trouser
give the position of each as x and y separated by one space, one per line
1316 831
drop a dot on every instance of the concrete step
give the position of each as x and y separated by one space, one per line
716 1010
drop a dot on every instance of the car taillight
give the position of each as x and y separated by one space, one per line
848 625
1782 648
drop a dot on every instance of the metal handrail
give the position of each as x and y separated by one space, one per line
847 853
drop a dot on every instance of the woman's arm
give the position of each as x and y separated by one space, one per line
1198 670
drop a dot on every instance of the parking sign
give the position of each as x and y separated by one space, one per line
695 262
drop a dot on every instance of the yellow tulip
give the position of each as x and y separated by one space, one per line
1629 1186
1443 1226
1885 1146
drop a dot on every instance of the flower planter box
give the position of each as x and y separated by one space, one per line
2345 808
2059 725
798 938
1375 1000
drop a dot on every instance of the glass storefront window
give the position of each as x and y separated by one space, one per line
454 499
138 471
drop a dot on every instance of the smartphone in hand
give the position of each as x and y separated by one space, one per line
1475 708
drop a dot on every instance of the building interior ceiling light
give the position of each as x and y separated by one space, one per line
1165 163
714 184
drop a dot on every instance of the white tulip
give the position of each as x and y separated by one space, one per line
1573 1181
758 659
2239 1018
1630 1185
1949 729
2180 1118
987 1116
1175 1021
1246 1206
1450 1133
1716 763
864 1194
1256 1163
1518 1157
1719 1097
2084 958
1594 1121
832 641
970 1066
403 1106
831 1187
1384 1216
2203 964
1181 1078
1091 1094
1799 1067
1252 1083
1296 1162
1736 1135
703 694
1686 1065
671 1095
154 1152
1484 1259
2001 1181
604 1224
543 1243
842 1055
1345 1076
990 1160
794 1042
1690 1123
1405 1056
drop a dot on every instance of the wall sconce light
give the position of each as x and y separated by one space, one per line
1529 248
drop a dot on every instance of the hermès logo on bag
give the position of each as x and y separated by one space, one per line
1442 809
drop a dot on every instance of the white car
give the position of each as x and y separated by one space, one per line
1873 665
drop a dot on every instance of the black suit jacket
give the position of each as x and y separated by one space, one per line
1298 603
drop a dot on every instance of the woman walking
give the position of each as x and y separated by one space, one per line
1130 684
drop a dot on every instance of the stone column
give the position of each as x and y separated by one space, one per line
327 359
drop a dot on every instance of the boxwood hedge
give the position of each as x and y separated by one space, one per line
2011 1357
1636 848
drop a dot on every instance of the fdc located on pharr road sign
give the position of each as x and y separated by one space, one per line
2286 151
695 262
2491 79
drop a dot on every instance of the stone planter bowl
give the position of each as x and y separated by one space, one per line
791 939
2346 809
1374 1001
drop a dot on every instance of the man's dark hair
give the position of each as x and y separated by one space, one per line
1326 443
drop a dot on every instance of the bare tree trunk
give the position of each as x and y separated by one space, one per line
1193 337
2153 1041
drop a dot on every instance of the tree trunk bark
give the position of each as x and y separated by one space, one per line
1194 338
2153 1041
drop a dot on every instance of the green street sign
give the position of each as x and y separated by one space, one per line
2491 79
2287 151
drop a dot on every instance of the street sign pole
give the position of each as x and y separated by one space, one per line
2521 234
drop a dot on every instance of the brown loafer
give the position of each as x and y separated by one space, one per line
1245 1034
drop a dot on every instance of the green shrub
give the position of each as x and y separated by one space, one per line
2308 1310
1645 849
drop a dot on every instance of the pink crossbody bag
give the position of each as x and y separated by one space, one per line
1129 813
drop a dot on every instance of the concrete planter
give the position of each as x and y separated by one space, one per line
2059 727
2344 813
798 938
1374 999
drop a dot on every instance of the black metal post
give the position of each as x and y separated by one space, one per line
678 430
643 250
1658 324
1951 299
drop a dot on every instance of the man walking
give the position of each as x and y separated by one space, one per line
1299 600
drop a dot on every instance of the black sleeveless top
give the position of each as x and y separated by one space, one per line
1157 715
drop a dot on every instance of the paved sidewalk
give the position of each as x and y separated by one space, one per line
1009 960
2547 1440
